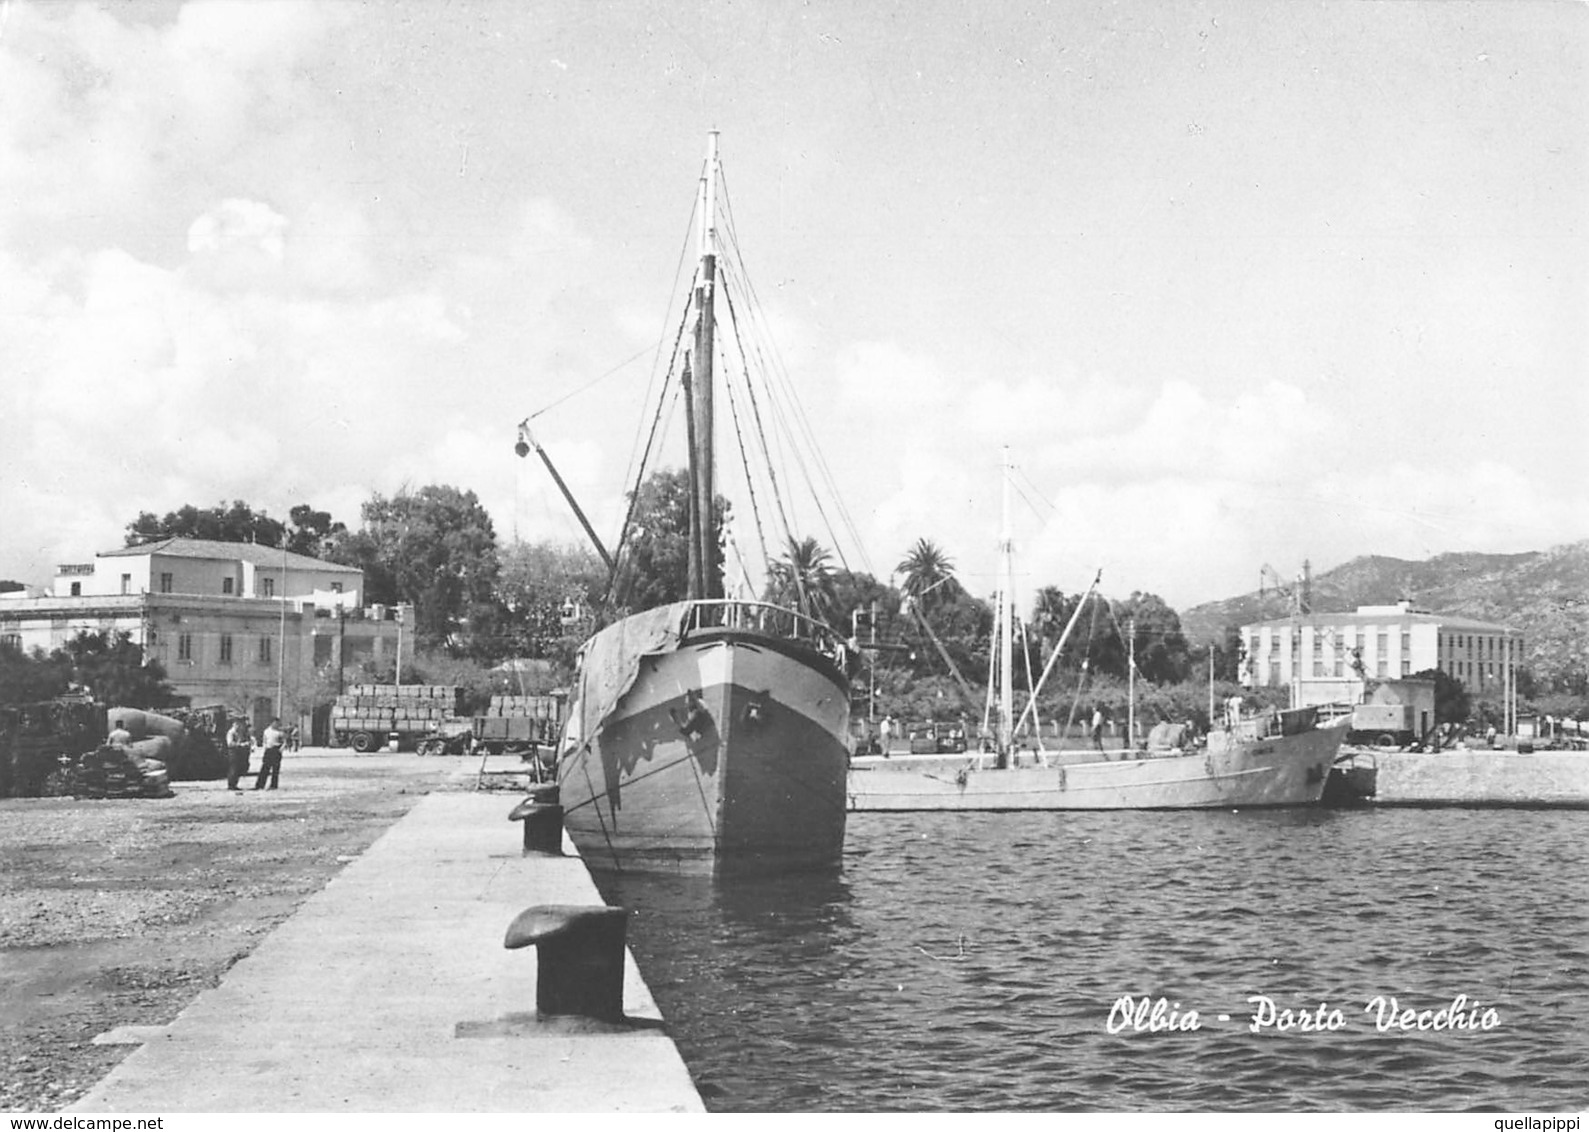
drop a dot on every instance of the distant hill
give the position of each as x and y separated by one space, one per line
1543 593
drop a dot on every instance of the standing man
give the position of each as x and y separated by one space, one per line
270 766
1097 727
237 748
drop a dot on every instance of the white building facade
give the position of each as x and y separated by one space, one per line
1332 657
253 628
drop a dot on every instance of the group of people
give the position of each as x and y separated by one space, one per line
240 746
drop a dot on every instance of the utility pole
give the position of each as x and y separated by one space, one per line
281 636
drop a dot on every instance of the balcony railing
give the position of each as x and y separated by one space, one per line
761 617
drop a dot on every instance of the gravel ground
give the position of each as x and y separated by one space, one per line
120 912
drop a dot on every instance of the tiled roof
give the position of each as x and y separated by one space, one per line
212 549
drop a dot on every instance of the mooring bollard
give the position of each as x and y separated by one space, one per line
579 958
542 815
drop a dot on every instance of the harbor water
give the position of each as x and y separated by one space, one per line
1391 960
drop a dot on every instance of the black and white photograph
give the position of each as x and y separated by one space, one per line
793 557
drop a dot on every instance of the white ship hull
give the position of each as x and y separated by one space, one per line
1233 771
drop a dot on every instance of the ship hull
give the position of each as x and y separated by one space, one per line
724 752
1288 770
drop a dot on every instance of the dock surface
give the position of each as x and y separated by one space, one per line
1463 777
390 991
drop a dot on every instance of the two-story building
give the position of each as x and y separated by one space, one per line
1333 657
256 628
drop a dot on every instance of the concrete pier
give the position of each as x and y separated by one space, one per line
390 990
1482 778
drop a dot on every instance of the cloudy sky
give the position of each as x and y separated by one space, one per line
1235 283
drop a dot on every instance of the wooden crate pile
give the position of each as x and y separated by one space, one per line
395 707
521 719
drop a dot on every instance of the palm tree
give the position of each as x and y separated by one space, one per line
804 577
927 570
1050 613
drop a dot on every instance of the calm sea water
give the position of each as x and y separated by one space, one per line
970 962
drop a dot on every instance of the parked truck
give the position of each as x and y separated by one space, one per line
520 724
369 716
1397 713
1383 725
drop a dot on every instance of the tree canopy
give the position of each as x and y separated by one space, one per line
536 582
108 665
307 531
436 549
237 522
654 560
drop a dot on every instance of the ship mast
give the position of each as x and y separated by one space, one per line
704 577
1006 721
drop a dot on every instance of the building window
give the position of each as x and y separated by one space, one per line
1406 666
336 587
77 589
126 583
1274 672
264 650
267 587
226 585
12 640
165 583
226 648
1382 666
184 646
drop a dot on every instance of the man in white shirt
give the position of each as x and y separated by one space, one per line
270 767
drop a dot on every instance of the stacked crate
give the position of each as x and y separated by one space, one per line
406 708
520 719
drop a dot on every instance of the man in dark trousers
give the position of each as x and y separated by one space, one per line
238 745
270 767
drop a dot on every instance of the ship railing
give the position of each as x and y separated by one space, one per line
1272 724
763 617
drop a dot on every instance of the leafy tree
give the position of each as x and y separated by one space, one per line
8 586
964 626
235 523
537 579
26 678
1162 654
113 669
860 592
1452 702
307 531
434 548
929 574
312 532
1230 656
654 560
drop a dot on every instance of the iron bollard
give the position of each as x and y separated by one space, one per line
579 958
542 816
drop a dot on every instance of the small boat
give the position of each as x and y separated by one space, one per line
1271 758
1353 780
710 734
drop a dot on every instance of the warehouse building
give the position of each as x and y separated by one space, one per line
257 629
